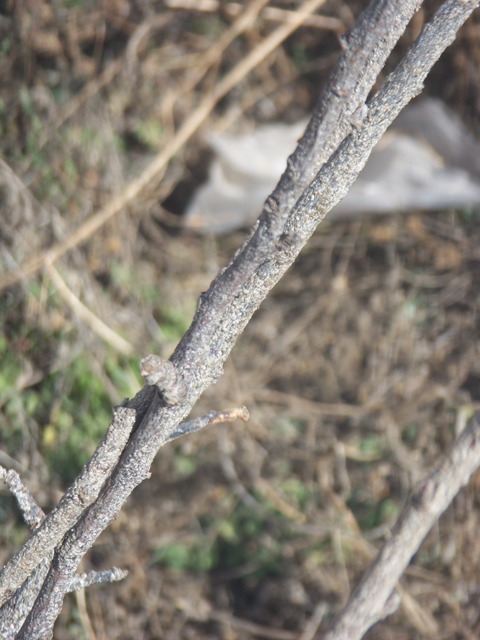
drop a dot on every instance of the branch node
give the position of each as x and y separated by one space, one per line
358 116
165 376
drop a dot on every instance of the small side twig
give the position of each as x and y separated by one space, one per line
16 609
31 512
214 417
84 580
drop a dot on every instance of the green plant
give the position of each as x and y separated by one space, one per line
237 538
150 132
81 408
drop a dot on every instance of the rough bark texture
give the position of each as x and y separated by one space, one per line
336 145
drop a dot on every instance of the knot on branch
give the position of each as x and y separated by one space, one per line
165 376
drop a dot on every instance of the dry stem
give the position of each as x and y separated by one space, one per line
375 597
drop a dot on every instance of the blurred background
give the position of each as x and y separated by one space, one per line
358 371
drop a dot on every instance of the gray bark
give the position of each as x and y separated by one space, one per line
335 147
375 597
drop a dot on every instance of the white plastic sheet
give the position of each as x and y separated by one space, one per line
427 160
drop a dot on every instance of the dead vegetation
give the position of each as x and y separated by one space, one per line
358 370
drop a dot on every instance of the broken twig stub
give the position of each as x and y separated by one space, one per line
165 376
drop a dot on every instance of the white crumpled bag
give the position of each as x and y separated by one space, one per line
427 160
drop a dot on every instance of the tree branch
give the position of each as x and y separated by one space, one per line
31 512
84 580
30 564
213 417
375 598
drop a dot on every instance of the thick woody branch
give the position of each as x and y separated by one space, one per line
367 48
375 598
238 291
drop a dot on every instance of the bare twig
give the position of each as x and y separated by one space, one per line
84 580
214 417
274 14
375 597
83 313
35 556
31 512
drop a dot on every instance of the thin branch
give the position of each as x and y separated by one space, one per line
31 512
214 417
274 14
84 580
236 293
61 577
85 315
375 597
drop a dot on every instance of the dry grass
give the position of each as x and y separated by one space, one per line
357 371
